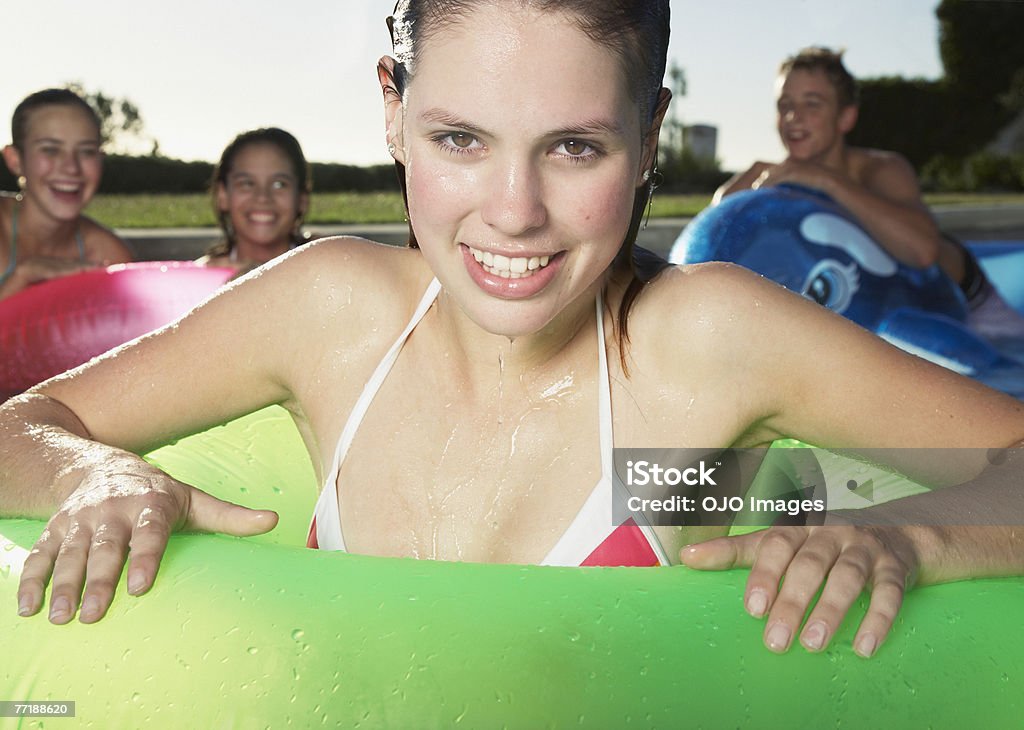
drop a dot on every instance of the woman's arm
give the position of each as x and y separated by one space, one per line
817 377
69 445
110 501
34 269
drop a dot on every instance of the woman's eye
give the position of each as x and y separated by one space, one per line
461 140
574 148
279 185
457 143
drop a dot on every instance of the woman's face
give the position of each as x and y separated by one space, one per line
60 160
261 196
523 151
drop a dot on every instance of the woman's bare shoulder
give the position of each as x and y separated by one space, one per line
103 245
710 297
344 272
716 317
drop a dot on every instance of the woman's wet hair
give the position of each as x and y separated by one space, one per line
830 63
636 30
266 135
47 97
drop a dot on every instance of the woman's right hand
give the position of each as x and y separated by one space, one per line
125 506
37 269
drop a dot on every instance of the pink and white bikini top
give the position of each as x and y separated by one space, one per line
591 539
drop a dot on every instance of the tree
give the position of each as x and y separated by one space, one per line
121 125
673 124
682 170
981 45
940 125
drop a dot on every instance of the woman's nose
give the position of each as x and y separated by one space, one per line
70 164
514 203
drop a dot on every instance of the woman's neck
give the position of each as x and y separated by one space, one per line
482 356
42 235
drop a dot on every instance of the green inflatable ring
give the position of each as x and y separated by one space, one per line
245 633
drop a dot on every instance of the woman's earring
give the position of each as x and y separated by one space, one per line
653 179
391 148
22 182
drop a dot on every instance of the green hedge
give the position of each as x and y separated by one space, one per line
123 174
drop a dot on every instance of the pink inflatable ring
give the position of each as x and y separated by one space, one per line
59 324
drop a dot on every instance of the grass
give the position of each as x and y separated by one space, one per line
188 211
194 210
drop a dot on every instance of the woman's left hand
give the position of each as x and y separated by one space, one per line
845 559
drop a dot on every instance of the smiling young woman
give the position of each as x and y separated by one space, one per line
460 399
260 190
56 155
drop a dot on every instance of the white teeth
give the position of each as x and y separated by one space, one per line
509 267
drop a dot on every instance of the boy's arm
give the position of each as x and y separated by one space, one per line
886 200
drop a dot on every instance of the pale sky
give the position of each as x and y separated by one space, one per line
201 71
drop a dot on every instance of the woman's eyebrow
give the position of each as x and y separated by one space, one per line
440 116
590 127
586 127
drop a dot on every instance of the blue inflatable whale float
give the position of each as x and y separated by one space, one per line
803 240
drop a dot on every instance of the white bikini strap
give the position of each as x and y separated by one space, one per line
618 491
327 517
377 379
604 396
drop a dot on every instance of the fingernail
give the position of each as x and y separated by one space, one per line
866 645
59 608
814 636
90 607
25 606
136 581
778 637
757 603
